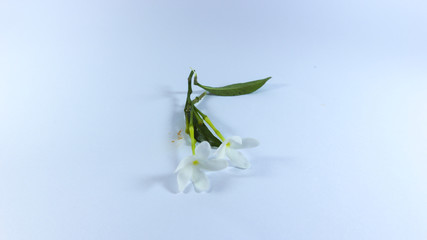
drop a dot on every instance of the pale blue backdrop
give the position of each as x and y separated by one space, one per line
91 98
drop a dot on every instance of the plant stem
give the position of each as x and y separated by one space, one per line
208 121
198 98
187 108
199 119
193 141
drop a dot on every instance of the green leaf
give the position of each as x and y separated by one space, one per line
202 133
235 89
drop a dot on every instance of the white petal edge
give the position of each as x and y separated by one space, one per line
237 159
220 152
249 143
203 150
184 162
183 177
214 164
200 181
235 141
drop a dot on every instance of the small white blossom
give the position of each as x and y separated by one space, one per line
229 148
192 167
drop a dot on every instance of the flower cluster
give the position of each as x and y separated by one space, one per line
193 167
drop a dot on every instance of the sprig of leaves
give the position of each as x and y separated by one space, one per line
195 118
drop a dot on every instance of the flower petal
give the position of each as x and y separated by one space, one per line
203 150
184 162
183 177
214 164
249 143
235 141
237 159
200 181
220 152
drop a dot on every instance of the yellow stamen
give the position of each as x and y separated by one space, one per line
228 144
195 162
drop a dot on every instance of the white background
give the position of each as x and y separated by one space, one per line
92 93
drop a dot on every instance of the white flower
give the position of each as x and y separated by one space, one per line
192 168
229 146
